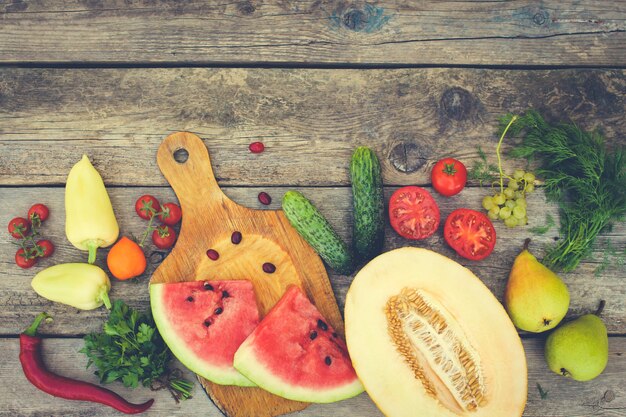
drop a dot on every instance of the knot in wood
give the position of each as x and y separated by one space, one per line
355 20
246 8
365 17
407 157
457 103
609 396
540 17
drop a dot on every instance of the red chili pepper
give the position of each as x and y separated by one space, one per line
63 387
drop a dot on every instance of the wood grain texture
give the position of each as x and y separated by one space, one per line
309 120
209 220
599 277
602 397
551 32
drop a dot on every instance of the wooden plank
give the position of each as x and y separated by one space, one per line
588 284
310 120
603 397
315 32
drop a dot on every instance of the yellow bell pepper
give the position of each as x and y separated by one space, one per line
89 219
79 285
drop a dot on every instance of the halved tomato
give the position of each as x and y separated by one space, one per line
470 233
413 213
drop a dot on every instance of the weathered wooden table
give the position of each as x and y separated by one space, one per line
311 79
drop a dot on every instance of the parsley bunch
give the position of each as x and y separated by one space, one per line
587 179
131 350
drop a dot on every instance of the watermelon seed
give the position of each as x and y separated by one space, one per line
334 334
322 325
313 335
207 323
328 360
190 298
208 286
269 268
264 198
225 294
212 254
219 310
236 238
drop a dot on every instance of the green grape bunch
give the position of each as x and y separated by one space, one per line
510 205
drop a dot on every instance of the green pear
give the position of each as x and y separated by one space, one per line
579 349
535 298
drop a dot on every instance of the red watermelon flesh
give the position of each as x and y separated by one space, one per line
296 354
204 322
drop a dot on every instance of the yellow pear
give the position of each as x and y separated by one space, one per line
535 298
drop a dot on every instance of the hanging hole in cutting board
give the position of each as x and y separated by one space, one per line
181 155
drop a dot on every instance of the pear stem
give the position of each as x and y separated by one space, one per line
600 308
526 243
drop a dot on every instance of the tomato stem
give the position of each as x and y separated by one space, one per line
513 119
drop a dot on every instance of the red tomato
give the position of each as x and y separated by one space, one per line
164 237
38 213
449 176
413 213
170 214
19 227
470 233
147 206
44 248
24 261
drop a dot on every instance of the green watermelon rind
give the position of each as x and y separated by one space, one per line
218 375
247 362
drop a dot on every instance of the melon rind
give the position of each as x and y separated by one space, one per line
388 380
219 375
247 362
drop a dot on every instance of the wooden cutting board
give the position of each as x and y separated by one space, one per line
209 220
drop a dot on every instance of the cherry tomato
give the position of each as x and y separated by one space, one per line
19 227
413 213
45 248
449 176
470 233
164 237
38 213
24 261
147 206
170 214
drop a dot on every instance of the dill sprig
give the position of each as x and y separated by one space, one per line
587 180
482 171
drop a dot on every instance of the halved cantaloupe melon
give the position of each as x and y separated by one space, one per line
428 339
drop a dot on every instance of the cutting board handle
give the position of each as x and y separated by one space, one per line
184 161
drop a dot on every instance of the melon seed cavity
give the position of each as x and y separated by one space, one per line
436 349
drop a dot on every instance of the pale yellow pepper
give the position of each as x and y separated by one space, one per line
89 219
79 285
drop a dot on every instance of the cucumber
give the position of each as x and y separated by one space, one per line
369 204
316 230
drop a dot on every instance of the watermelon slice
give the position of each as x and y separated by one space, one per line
294 353
204 322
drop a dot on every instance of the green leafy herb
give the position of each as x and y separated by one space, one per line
482 171
543 394
542 230
587 180
131 350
